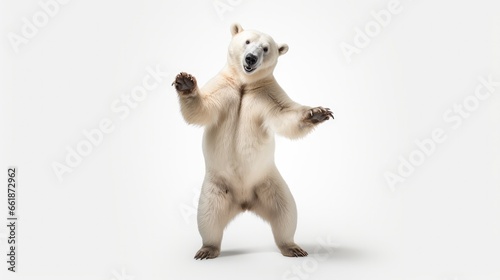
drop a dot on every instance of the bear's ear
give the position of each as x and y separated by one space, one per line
236 28
282 49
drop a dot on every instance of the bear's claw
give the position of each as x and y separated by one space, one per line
293 251
207 252
184 83
319 114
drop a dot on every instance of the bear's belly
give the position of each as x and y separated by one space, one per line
241 154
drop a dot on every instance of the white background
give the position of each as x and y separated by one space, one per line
125 211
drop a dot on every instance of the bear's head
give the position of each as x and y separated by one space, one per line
253 54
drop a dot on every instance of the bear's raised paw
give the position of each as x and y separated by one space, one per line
318 115
184 83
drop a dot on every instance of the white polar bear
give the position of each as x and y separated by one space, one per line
241 108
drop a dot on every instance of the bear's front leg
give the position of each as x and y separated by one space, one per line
196 107
299 121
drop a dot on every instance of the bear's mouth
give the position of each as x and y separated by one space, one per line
248 69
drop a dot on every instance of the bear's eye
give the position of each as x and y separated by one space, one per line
265 49
247 42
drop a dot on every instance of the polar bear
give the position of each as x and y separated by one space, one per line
241 108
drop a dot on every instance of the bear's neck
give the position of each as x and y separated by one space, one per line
242 79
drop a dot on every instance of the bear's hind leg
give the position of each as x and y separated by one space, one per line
275 204
215 211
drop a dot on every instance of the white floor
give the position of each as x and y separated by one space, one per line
126 210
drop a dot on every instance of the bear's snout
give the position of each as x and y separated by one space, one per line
251 59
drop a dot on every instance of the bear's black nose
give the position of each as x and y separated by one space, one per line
250 59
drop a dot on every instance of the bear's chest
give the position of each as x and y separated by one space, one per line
249 113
